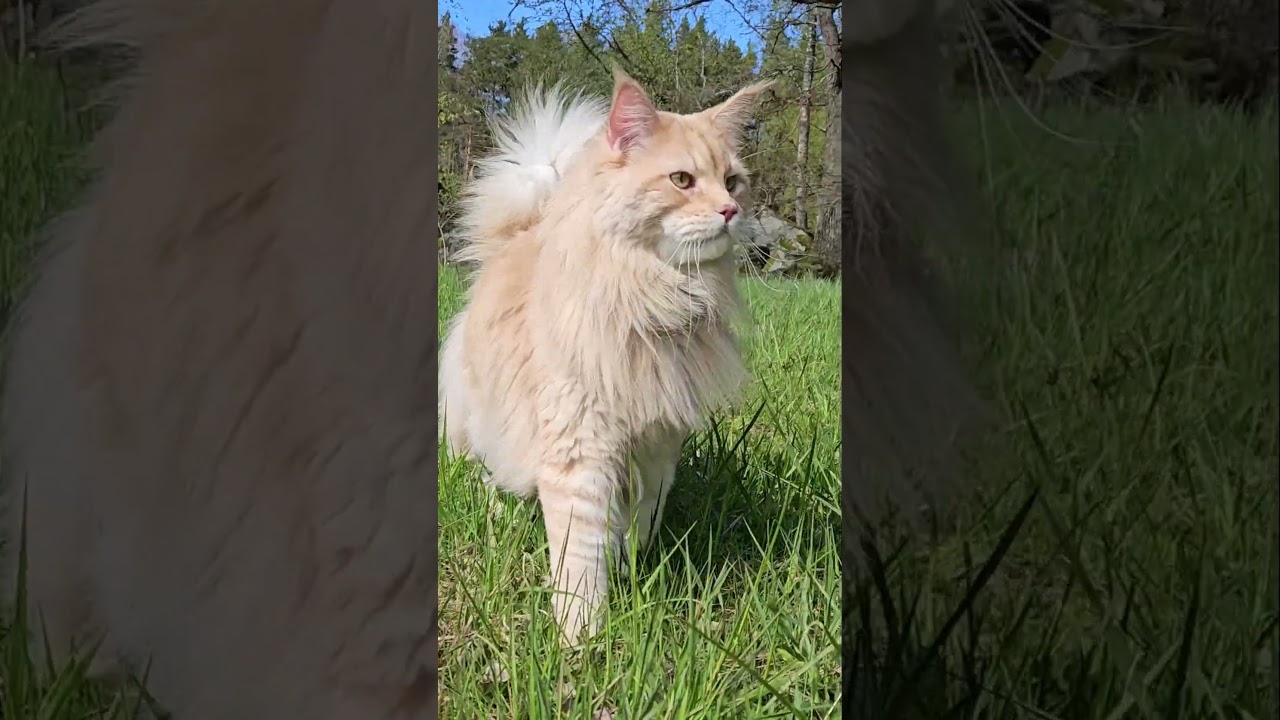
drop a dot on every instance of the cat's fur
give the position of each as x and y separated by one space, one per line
597 330
219 396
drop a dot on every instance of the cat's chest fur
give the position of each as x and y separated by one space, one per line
647 346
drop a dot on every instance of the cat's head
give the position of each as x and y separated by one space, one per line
682 174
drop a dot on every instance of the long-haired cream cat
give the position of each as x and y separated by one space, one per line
596 334
218 403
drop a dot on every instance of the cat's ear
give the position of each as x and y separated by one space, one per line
632 116
730 117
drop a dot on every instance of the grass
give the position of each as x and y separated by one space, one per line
42 138
734 614
1127 333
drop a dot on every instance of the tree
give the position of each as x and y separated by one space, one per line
684 65
447 45
802 125
827 244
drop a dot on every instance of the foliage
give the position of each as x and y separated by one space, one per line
683 64
1217 50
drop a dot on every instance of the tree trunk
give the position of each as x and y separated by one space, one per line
830 42
827 246
802 127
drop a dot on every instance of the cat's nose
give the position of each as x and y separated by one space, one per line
728 211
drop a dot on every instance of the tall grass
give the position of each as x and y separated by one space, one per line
42 138
1127 333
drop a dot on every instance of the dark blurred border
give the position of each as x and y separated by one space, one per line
907 398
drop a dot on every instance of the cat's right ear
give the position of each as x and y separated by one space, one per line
632 116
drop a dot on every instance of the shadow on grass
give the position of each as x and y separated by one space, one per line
733 496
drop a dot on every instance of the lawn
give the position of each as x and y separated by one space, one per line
735 611
1125 330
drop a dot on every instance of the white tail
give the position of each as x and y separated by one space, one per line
533 147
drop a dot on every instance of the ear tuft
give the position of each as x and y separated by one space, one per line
632 116
730 117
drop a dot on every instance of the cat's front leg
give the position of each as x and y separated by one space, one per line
655 463
581 510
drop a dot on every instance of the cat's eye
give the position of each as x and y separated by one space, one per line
682 179
731 183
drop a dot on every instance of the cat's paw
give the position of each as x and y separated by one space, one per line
578 619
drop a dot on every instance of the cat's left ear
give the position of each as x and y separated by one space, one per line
730 117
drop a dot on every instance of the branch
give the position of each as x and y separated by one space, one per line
830 39
573 26
688 6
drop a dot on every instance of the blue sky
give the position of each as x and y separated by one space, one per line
475 16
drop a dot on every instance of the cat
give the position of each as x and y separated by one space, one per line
219 397
597 333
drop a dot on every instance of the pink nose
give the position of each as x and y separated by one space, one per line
728 211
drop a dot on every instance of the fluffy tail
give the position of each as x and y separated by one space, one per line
534 145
